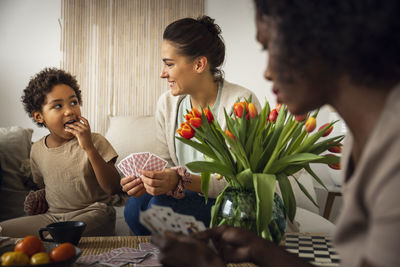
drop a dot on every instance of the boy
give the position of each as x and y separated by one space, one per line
74 167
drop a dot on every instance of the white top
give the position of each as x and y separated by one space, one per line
185 153
166 123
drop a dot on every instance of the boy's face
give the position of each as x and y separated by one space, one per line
61 107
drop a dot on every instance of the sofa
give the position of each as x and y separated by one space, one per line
127 134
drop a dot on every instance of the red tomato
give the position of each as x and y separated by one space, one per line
30 245
62 252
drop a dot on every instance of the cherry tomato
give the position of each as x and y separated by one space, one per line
30 245
62 252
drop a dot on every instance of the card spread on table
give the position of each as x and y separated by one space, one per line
141 161
146 256
159 219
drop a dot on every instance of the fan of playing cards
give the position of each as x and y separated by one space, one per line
141 161
159 219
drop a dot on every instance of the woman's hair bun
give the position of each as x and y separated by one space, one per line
209 24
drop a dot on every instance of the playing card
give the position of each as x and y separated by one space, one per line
148 247
140 160
168 218
155 163
189 224
125 167
151 222
130 161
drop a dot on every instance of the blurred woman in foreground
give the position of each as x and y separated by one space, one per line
345 54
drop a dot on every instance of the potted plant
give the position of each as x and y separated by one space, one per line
256 153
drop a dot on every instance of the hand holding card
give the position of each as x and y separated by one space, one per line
159 219
141 161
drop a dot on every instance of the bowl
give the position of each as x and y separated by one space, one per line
48 246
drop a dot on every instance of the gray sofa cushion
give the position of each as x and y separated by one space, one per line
15 146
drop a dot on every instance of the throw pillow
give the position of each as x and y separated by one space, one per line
131 134
15 146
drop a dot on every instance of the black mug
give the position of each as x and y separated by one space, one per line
61 232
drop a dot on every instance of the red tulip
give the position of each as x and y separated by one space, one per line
252 110
300 118
195 122
336 149
335 166
186 131
273 115
311 123
327 131
228 133
208 115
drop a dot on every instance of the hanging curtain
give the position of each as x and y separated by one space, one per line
113 47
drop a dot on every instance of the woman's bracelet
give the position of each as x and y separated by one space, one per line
184 178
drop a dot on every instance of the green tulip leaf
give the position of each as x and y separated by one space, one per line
205 184
302 188
287 195
210 166
310 171
300 158
199 147
245 179
264 187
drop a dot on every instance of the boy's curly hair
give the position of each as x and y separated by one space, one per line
41 84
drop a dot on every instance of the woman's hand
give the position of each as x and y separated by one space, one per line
239 245
133 186
159 182
235 244
182 250
81 130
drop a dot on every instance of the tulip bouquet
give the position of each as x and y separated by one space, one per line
256 150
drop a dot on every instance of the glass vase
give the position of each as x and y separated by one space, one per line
238 208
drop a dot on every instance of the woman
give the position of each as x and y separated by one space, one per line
342 53
192 53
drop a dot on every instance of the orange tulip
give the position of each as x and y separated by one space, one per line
188 116
311 123
238 108
208 115
195 122
300 118
273 115
327 131
252 110
195 113
186 131
228 133
278 107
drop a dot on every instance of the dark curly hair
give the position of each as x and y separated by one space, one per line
41 84
198 37
357 37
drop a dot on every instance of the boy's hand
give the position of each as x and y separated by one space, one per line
81 130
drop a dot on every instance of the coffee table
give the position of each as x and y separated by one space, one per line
98 245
